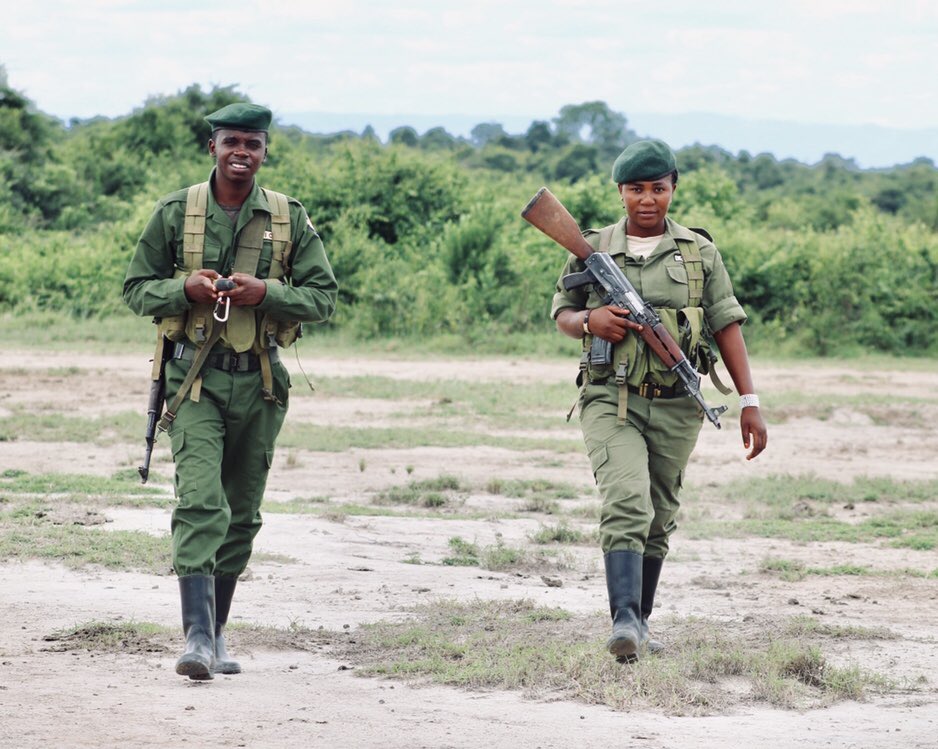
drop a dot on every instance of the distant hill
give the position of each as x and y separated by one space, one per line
870 146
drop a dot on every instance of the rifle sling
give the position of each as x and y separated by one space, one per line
194 370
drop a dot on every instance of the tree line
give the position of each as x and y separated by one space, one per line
424 230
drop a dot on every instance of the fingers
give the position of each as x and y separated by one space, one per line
621 316
611 323
754 433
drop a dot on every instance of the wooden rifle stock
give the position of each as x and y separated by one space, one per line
547 214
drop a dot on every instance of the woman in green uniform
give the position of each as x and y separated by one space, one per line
638 424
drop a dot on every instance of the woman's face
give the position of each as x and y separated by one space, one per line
647 204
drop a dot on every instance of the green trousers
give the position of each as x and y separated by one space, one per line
223 447
639 465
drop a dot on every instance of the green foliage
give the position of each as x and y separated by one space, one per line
424 233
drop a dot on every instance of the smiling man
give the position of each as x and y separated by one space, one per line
229 271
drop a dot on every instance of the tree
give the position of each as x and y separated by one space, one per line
577 161
538 136
486 132
594 123
436 138
405 136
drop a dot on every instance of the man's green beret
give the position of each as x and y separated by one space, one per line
643 161
241 116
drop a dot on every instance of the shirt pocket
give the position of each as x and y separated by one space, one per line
211 255
263 264
679 291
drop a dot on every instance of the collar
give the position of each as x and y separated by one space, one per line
673 232
255 201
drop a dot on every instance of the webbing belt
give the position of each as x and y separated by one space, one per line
229 361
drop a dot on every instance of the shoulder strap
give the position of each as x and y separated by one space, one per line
280 231
242 325
693 264
605 237
193 237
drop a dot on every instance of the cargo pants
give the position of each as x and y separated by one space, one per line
223 447
639 465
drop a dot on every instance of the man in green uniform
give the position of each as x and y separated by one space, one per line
638 424
225 415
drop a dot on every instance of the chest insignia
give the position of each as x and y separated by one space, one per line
269 235
678 258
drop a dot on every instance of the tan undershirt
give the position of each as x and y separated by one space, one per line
642 247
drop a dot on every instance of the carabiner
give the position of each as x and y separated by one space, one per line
227 306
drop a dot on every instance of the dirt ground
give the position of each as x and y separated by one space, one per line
317 571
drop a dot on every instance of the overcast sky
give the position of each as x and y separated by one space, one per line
812 61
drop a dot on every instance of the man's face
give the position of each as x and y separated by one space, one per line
239 153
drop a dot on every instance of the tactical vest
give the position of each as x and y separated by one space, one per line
632 363
246 329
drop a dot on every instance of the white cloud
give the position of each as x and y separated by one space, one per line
809 60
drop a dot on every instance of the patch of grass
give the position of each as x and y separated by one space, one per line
465 554
268 556
145 638
431 493
788 570
793 571
526 488
780 496
494 403
882 409
29 425
562 534
123 488
412 557
499 556
912 529
110 637
542 505
517 645
808 626
538 495
76 546
323 438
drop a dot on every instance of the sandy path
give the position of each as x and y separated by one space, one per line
314 571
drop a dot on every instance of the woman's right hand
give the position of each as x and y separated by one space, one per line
611 323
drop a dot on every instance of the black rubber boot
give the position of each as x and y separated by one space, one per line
651 571
197 593
624 583
224 591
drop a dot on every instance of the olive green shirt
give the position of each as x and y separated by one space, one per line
307 295
661 279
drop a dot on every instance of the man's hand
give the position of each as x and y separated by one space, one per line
752 425
611 322
249 291
200 287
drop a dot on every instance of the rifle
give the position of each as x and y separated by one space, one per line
547 214
155 404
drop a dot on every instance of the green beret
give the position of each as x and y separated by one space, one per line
241 116
643 161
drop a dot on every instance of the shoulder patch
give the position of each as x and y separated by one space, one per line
589 232
309 225
702 232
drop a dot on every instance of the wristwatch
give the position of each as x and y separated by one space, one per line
586 322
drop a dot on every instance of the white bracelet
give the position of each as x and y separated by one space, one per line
748 400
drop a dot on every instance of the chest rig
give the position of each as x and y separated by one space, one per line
246 329
630 364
